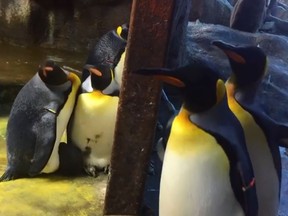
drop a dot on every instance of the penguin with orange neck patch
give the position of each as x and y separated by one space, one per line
206 168
262 134
37 121
93 121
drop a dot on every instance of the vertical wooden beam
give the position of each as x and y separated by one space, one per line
150 25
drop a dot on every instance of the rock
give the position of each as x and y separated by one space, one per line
64 24
248 16
201 9
273 92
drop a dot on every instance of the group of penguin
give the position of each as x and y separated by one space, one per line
58 121
222 155
222 152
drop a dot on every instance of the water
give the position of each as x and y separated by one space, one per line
19 64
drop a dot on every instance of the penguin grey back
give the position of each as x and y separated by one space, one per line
32 122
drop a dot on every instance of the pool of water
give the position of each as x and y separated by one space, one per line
19 64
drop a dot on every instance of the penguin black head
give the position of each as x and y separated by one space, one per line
199 84
248 63
100 77
122 31
51 74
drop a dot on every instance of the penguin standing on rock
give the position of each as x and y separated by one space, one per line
262 134
206 168
37 121
93 121
248 15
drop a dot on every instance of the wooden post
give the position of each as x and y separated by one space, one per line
149 35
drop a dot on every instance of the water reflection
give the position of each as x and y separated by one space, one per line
19 64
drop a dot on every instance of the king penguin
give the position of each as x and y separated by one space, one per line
93 121
37 121
249 64
248 15
107 56
206 169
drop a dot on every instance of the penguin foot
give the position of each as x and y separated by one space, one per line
94 171
91 170
107 169
8 176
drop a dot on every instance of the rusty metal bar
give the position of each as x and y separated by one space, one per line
150 25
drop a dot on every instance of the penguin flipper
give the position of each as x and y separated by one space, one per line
71 160
44 144
276 131
229 135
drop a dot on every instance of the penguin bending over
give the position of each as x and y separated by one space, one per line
249 65
93 121
37 121
107 56
206 168
248 15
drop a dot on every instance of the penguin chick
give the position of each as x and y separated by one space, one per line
248 15
248 64
38 118
206 168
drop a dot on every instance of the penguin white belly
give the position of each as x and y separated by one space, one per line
61 125
267 185
195 178
93 127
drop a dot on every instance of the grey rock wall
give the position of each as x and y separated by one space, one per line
64 24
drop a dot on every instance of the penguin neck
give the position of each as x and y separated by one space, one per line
97 94
230 88
76 82
247 93
184 116
63 87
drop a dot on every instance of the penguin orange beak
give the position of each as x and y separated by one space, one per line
229 51
170 80
164 75
93 70
46 70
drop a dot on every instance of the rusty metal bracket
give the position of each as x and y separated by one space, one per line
149 35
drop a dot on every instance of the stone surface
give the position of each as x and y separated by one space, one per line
201 9
49 194
69 25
